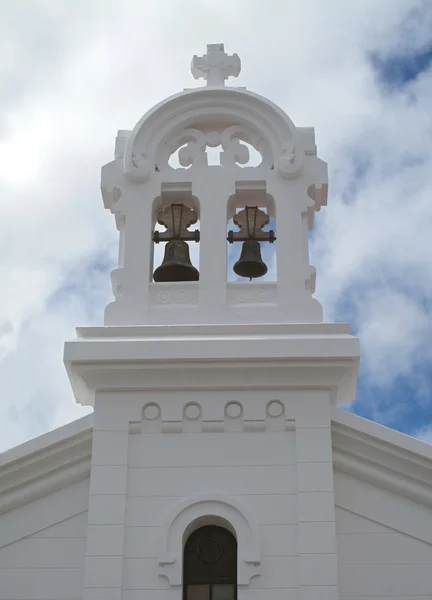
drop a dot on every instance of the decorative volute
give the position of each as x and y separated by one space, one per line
265 162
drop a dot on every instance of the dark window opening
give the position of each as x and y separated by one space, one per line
210 565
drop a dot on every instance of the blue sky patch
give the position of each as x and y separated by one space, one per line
398 70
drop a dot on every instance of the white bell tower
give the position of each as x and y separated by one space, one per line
213 397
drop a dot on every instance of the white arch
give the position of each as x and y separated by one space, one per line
205 510
182 110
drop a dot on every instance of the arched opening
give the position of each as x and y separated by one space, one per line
211 155
210 565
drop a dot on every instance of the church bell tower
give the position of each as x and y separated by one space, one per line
214 377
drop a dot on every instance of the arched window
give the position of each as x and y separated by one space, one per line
210 565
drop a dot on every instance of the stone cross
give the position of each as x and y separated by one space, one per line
216 65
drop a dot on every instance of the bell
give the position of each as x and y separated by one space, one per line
250 263
176 264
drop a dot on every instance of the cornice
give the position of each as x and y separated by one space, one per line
46 464
384 457
209 332
213 357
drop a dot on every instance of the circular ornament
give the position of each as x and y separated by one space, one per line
275 409
209 551
151 412
163 298
234 410
192 411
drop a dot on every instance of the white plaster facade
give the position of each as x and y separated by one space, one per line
216 402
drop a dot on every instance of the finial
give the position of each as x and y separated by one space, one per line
216 65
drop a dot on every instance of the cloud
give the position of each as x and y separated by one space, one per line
39 395
383 314
372 245
74 76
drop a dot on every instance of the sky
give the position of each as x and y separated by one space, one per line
74 72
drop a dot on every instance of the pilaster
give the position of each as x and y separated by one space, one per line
107 502
317 569
213 193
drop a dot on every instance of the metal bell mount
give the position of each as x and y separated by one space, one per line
176 264
251 220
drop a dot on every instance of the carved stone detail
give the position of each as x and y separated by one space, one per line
209 509
117 281
158 419
171 295
251 294
139 167
275 408
194 151
151 411
291 160
192 411
233 151
191 145
215 66
233 410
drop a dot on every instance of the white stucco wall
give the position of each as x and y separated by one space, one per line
175 471
261 467
256 470
378 561
42 547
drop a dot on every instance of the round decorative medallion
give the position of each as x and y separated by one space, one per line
233 410
192 411
151 412
263 295
163 298
182 297
243 296
209 551
275 408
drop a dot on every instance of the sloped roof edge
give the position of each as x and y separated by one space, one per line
45 440
383 456
45 464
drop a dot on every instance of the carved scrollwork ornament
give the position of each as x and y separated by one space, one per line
191 146
291 159
234 152
138 169
252 295
175 297
193 153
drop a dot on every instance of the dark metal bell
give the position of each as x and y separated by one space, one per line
250 263
176 264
